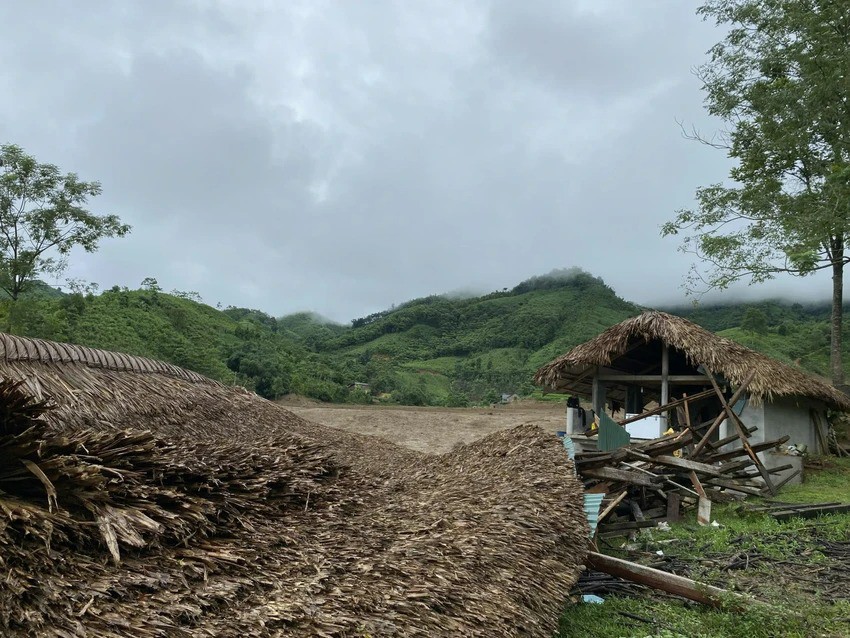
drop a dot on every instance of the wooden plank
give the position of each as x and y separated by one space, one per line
758 447
626 476
720 417
697 485
824 445
686 464
716 445
610 507
674 505
787 478
784 515
738 487
627 527
665 581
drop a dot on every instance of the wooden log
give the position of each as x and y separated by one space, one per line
665 581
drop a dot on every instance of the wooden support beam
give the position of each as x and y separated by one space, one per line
673 379
658 410
665 581
665 385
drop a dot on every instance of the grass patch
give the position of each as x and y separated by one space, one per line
675 619
791 566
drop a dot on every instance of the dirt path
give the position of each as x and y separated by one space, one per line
434 430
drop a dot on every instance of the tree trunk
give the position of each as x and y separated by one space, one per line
837 312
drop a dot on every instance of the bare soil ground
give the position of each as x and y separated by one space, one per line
429 429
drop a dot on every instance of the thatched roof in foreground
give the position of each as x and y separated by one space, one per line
146 503
717 354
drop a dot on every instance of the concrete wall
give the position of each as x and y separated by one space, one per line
785 415
751 416
791 416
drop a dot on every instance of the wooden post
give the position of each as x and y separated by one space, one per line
598 397
665 384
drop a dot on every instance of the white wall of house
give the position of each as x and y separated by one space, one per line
751 416
783 415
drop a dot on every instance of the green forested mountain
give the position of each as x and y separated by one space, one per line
434 350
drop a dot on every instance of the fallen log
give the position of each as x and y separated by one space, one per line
665 581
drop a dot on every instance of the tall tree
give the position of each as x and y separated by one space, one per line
43 216
780 80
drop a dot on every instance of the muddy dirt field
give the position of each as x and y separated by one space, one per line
429 429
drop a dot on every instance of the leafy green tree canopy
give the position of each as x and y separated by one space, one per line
780 80
43 216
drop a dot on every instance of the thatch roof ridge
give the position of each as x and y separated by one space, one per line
27 349
719 355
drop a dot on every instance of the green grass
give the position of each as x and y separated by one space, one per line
790 609
672 619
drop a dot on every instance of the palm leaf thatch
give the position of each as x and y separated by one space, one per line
718 355
142 500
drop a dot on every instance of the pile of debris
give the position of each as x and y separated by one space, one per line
652 481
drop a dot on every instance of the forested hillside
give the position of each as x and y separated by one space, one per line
435 350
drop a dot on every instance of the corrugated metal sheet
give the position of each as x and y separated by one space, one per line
592 503
612 435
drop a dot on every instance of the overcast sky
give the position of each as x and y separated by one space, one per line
344 156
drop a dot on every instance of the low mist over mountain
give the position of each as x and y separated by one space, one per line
442 349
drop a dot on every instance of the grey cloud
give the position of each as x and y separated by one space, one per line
341 157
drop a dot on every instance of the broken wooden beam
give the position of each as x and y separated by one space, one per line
665 581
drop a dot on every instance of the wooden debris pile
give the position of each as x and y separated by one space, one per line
652 481
116 532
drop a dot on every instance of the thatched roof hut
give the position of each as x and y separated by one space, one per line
143 500
635 346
